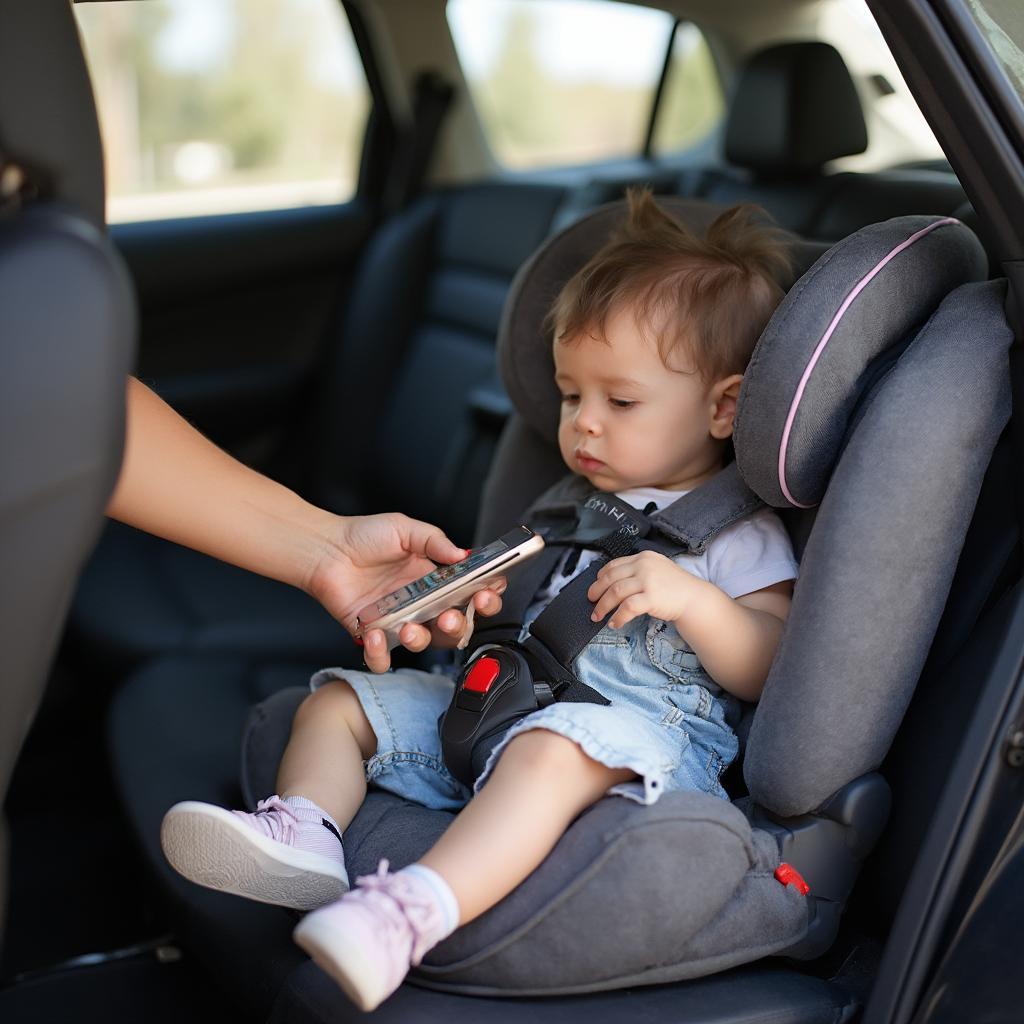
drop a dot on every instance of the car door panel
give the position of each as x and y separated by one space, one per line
234 309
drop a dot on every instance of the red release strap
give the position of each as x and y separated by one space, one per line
788 875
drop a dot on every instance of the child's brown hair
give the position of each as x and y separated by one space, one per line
714 295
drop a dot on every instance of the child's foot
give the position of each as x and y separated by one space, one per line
282 854
368 940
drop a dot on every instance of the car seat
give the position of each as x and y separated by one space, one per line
689 886
62 364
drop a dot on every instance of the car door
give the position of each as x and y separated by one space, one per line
946 955
238 194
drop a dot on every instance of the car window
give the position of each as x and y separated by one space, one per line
692 103
1002 24
560 81
214 106
897 130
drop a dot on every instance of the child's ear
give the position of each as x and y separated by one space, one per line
723 405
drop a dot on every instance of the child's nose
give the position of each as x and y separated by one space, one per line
586 421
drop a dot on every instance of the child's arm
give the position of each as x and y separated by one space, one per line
735 638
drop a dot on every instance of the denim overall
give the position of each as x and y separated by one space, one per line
668 720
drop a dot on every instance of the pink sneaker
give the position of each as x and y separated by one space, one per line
259 855
369 939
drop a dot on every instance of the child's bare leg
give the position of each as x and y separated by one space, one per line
288 851
368 939
540 784
323 762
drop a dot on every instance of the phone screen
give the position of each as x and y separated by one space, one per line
441 575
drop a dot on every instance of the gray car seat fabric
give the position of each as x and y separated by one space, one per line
877 567
62 364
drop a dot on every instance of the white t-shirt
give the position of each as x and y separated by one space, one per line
748 555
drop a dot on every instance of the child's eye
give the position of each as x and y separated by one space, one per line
570 398
622 403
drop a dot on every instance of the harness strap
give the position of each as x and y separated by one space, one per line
701 514
577 517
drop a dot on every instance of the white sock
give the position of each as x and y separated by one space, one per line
314 829
442 892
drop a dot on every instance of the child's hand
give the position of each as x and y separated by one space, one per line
643 584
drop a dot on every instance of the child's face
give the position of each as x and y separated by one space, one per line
630 421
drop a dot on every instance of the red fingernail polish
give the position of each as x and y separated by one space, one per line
358 640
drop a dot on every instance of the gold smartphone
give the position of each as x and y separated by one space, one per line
449 586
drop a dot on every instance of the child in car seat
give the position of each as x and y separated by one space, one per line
651 339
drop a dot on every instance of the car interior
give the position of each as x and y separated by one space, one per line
381 354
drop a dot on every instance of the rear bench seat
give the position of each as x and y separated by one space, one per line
794 110
410 407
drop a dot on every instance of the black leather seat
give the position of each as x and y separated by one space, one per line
394 426
62 364
795 109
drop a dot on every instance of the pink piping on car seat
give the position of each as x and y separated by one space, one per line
820 347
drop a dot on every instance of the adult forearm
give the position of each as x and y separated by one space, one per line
735 644
180 486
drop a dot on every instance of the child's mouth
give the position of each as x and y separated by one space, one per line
587 464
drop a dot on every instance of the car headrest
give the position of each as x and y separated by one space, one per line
839 329
794 109
48 123
835 333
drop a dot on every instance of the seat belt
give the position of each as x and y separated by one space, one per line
432 96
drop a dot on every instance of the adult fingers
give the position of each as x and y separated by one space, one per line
488 602
414 637
375 651
423 539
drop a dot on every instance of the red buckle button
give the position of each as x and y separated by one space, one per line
482 675
788 875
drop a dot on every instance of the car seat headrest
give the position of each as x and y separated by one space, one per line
834 335
524 348
836 332
48 123
794 109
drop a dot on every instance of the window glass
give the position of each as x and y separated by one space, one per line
691 103
1002 24
221 106
560 81
897 130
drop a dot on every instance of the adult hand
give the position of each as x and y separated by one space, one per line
366 557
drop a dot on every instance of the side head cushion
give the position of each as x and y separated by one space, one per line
841 325
880 559
524 346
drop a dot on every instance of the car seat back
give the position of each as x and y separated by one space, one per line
66 342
